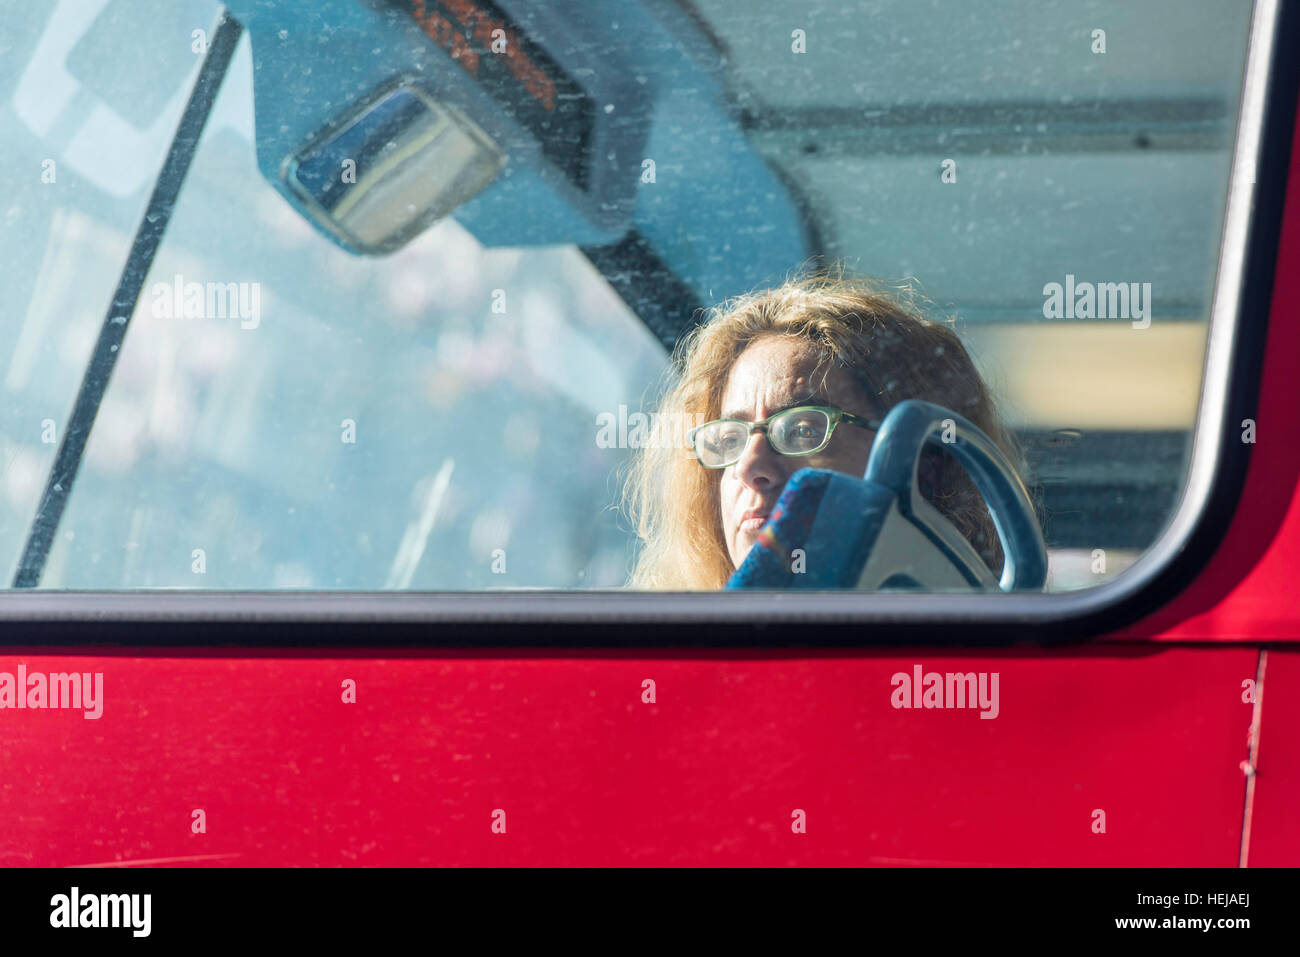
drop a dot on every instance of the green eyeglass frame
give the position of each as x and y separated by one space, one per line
834 416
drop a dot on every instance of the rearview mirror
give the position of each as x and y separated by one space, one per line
397 163
401 113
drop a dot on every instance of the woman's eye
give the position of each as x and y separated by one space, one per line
803 430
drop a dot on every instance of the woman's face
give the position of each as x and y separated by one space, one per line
773 374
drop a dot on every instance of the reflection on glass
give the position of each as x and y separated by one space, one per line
468 410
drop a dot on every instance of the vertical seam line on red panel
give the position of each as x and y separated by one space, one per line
1250 766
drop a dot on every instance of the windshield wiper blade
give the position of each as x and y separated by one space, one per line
148 237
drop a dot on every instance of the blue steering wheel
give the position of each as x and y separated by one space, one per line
830 530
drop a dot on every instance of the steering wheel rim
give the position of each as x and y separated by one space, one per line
895 458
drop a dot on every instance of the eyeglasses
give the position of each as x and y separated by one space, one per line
803 430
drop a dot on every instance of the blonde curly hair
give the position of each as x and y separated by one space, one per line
879 335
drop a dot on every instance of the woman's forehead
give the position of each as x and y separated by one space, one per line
780 371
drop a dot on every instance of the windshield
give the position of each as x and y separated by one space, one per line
441 382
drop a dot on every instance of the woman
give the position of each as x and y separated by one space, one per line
835 355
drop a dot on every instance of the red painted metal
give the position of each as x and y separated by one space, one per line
587 773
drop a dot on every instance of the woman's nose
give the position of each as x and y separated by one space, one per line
758 465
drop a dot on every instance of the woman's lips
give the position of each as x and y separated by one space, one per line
753 523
